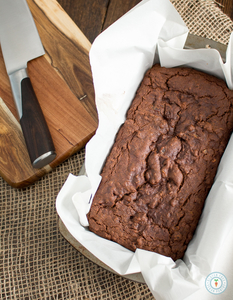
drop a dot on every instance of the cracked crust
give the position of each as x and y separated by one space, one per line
163 162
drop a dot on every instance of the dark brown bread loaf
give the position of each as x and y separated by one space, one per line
163 162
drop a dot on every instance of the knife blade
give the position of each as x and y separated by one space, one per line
20 43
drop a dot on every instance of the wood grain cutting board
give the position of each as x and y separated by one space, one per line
62 81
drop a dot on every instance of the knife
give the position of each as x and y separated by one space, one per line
20 43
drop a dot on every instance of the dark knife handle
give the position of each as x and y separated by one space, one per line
35 130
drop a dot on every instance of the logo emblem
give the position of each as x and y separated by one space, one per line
216 283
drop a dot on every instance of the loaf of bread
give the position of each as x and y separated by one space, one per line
163 162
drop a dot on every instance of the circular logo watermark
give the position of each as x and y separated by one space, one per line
216 283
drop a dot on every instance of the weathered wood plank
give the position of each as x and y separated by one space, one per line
88 15
226 6
116 9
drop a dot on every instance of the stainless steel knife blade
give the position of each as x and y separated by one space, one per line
19 37
20 43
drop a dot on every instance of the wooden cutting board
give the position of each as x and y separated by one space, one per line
62 81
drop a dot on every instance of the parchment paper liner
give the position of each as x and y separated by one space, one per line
151 32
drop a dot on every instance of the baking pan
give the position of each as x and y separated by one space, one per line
192 42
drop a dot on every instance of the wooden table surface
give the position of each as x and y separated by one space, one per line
92 17
227 7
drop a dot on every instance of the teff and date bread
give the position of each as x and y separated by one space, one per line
163 162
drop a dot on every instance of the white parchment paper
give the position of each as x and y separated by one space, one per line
151 32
